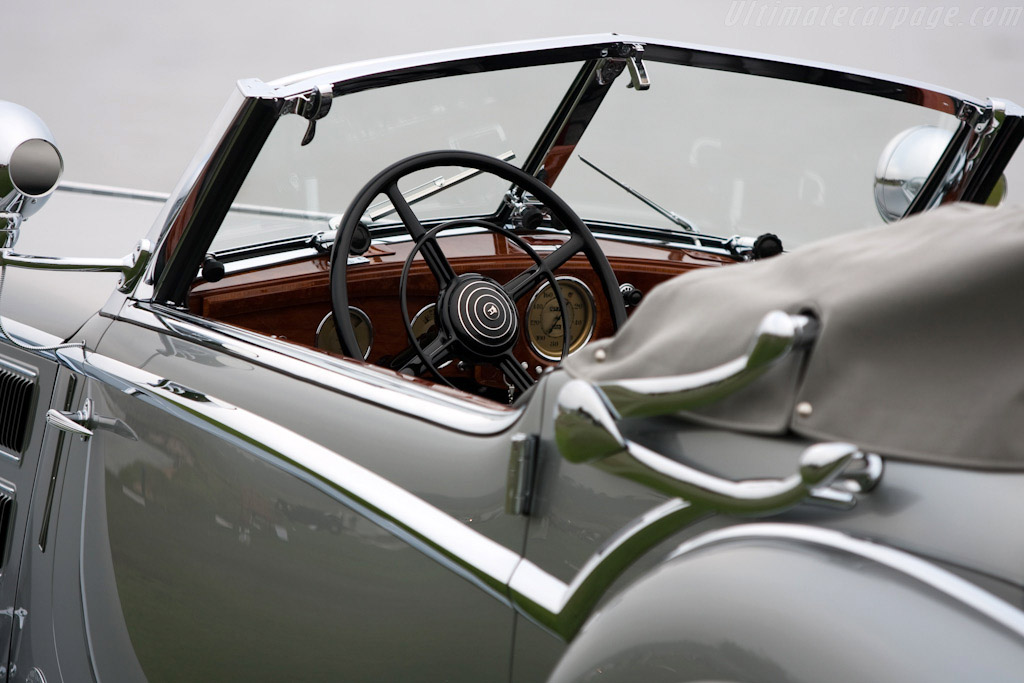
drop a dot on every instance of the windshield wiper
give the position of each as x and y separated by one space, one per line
671 215
429 189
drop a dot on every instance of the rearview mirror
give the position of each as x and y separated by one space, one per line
30 168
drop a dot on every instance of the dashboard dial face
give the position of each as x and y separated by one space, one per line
327 335
545 328
424 320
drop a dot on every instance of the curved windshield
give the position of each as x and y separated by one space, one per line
736 154
729 153
501 113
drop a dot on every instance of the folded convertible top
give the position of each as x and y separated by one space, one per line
920 348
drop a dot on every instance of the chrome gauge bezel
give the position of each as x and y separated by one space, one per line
420 313
328 324
590 329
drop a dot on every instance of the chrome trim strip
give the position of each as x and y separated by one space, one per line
112 191
364 382
563 607
30 336
498 571
901 561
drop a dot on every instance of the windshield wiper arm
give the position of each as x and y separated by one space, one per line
671 215
431 188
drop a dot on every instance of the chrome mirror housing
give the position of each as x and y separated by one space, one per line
904 166
30 168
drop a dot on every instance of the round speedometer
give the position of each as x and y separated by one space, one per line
545 328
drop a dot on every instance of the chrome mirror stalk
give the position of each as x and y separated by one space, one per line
131 266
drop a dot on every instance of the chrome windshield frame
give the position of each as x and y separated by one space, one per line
190 218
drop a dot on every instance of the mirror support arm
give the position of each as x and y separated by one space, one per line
131 266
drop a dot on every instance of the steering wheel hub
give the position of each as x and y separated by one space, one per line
482 316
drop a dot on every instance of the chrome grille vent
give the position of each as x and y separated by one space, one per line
15 406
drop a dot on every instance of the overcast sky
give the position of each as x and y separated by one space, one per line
129 88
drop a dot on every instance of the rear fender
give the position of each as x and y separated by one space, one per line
786 602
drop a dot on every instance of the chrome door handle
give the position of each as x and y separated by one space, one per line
80 422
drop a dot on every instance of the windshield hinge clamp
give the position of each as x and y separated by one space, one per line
311 105
638 78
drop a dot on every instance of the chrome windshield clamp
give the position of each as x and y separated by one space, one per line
311 105
638 78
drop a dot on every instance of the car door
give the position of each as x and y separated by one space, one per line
276 542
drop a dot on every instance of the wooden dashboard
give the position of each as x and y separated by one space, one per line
289 301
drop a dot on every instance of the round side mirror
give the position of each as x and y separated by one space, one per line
30 164
904 166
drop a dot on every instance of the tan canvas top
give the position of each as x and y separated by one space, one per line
920 353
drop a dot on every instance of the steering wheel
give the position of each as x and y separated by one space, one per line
476 316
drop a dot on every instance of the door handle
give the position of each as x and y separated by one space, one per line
80 422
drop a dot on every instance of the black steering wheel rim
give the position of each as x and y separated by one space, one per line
386 182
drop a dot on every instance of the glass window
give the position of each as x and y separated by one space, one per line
493 112
736 154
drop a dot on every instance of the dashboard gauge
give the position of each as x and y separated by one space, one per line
545 328
327 335
424 320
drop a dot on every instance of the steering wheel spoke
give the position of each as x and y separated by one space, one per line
514 372
527 281
432 254
436 353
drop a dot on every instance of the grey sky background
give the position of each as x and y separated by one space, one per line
130 88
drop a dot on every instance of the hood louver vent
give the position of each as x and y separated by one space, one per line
15 407
6 510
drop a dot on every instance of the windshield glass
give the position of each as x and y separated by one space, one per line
730 153
494 113
736 154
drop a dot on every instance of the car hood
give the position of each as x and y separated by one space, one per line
80 225
917 352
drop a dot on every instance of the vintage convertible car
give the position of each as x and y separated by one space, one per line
317 426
